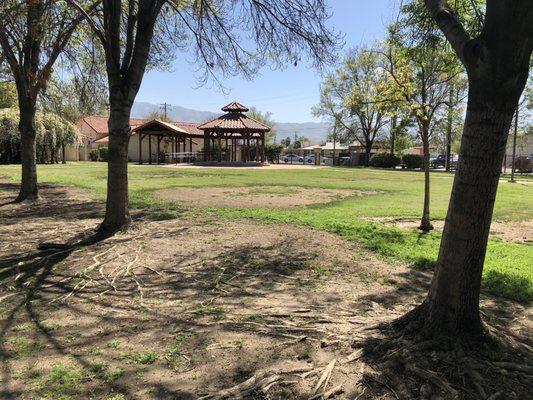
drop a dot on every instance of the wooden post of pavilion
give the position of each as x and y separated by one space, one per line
206 145
247 149
140 147
263 147
158 147
150 149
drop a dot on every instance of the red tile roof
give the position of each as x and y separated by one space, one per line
190 127
235 122
157 122
99 123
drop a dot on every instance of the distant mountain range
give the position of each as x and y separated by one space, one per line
314 131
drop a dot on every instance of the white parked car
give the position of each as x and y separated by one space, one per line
292 158
310 159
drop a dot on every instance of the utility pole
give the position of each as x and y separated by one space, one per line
514 143
164 107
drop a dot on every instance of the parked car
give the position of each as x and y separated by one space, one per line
291 158
437 161
523 164
454 160
310 159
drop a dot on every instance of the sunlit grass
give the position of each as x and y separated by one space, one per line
508 269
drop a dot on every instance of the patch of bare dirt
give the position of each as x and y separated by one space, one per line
268 166
509 231
199 307
275 197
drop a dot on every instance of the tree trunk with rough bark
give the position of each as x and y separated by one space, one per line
368 150
452 305
28 156
449 129
393 134
117 216
497 64
425 223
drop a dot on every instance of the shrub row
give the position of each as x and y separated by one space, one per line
99 154
387 160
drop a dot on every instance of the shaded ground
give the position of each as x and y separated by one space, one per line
183 308
274 197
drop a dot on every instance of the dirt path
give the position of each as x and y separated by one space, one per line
183 308
509 231
272 197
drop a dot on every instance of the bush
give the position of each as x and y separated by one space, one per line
412 161
273 152
384 160
103 154
93 155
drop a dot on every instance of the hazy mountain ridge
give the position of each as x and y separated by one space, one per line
314 131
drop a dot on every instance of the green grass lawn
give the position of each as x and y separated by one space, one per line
508 266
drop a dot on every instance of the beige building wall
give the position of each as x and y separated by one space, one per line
72 153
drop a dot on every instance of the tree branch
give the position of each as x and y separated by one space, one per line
450 25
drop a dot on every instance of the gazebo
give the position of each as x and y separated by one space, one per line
179 138
234 136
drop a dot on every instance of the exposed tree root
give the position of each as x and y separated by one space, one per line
409 365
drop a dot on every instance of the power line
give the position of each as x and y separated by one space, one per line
164 106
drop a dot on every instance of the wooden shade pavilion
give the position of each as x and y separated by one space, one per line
178 137
238 131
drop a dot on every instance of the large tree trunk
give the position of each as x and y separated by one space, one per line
425 223
117 216
452 305
28 133
368 150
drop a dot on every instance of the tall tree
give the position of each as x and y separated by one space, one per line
450 119
497 64
131 33
420 71
352 96
265 118
33 35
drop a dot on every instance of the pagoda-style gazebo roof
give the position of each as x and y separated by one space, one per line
237 127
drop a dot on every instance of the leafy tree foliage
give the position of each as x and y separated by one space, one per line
136 34
265 118
8 95
53 133
353 98
33 35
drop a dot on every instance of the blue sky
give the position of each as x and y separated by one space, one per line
289 93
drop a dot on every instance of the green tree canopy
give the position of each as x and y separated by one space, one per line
53 132
8 95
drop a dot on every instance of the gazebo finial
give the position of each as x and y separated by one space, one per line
235 106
